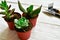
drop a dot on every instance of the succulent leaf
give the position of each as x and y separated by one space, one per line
21 8
30 9
9 7
35 12
15 21
12 11
4 5
21 23
2 13
7 12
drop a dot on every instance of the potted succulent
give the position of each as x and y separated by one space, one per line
23 28
10 15
29 13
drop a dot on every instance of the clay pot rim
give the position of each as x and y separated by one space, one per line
13 19
34 17
24 32
31 17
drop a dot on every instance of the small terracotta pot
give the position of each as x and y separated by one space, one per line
24 35
33 21
11 21
11 25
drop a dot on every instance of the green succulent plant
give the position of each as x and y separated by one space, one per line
29 11
5 7
21 23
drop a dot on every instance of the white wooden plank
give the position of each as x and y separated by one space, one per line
40 32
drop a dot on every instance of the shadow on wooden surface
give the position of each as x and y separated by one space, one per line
8 34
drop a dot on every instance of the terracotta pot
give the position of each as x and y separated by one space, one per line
11 25
11 21
24 35
33 21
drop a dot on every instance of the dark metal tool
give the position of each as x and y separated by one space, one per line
53 11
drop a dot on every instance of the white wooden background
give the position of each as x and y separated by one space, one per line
47 28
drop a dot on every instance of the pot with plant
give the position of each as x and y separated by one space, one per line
23 28
29 13
10 15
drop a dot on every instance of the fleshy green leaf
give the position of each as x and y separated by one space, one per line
21 23
2 13
9 7
35 12
15 21
30 9
21 8
4 5
17 26
12 11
